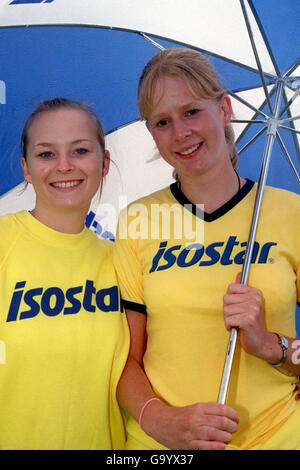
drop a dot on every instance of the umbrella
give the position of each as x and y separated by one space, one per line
94 52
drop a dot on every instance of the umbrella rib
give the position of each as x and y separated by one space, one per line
152 41
258 111
248 88
204 51
291 69
294 118
256 54
290 102
292 126
252 140
249 121
289 129
262 32
287 155
261 107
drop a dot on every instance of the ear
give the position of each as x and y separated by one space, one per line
26 172
105 163
226 109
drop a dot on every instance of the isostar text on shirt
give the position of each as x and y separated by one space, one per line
54 301
225 253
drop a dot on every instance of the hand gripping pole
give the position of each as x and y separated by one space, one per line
271 135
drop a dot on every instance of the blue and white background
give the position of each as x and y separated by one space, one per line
94 51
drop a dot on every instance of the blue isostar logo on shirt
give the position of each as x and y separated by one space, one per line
52 301
218 252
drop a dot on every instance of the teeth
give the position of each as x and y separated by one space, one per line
190 150
65 184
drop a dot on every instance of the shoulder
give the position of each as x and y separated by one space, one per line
279 192
134 219
280 215
10 223
102 245
11 230
282 199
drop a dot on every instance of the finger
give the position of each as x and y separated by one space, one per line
251 309
246 308
244 323
235 288
199 444
217 409
237 298
251 296
221 423
213 435
236 321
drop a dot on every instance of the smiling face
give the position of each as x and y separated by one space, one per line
188 131
64 160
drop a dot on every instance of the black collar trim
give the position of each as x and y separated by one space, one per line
182 199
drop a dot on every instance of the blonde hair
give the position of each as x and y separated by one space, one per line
199 75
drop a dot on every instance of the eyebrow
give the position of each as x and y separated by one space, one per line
188 105
48 144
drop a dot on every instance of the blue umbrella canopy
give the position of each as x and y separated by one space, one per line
95 51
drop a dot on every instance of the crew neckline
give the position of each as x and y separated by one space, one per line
48 234
210 217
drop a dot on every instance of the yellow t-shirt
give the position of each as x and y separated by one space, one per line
179 283
63 339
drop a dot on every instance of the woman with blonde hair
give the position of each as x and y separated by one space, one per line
182 293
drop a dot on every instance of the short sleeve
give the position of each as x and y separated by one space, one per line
128 267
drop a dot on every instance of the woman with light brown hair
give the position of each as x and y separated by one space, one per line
183 293
64 331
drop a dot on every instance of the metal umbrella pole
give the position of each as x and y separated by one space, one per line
271 135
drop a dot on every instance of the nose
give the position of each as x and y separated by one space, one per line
181 129
65 163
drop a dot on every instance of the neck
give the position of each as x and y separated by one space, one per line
212 190
65 221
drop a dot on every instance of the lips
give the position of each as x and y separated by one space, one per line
190 151
66 184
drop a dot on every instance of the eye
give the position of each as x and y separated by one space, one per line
192 112
161 123
81 151
45 155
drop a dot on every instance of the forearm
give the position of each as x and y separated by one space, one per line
273 353
134 389
197 426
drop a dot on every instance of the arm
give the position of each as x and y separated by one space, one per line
197 426
243 309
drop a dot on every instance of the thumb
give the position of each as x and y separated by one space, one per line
238 278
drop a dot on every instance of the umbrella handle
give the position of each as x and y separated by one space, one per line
271 135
